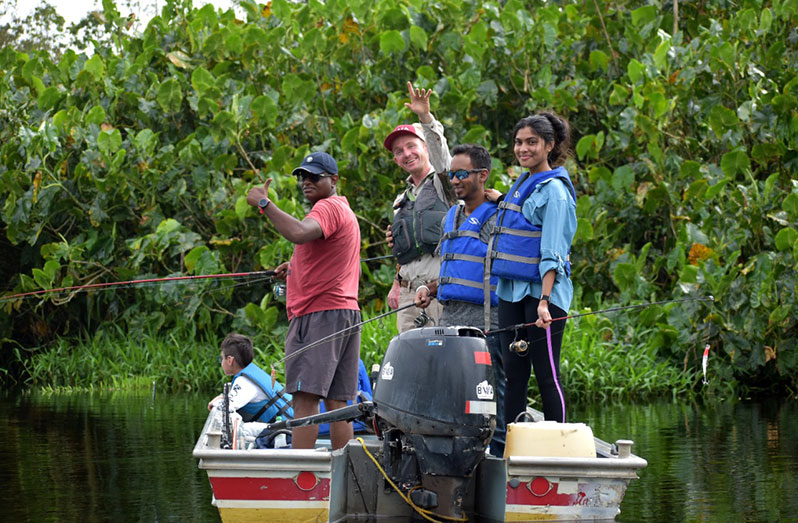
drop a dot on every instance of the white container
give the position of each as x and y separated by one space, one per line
550 439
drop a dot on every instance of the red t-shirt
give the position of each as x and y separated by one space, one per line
324 274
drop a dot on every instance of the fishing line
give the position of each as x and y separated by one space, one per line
130 283
148 282
339 334
519 326
232 286
343 332
70 294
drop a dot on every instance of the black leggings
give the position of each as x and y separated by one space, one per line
517 369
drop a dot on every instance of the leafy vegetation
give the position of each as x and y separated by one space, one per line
133 161
112 359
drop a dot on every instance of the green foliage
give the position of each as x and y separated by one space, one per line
112 358
134 161
604 362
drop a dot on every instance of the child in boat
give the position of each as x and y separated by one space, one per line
252 394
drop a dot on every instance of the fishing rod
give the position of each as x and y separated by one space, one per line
149 281
387 256
337 334
94 286
604 311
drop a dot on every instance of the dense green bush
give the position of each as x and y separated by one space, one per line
134 160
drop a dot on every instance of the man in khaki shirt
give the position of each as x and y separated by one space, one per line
417 265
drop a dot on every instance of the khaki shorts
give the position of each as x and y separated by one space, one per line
330 369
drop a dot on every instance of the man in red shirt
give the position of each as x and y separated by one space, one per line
321 296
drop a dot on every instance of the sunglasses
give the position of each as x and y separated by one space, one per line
462 174
314 178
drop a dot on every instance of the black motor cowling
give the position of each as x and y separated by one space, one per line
435 412
436 387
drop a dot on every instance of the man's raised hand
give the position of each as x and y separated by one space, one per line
258 192
419 103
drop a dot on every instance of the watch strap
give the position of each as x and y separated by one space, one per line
545 297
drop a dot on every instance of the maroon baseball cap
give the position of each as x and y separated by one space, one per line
411 129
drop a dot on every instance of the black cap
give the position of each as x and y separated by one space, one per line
317 163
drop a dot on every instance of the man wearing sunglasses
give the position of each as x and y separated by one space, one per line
464 287
416 228
321 296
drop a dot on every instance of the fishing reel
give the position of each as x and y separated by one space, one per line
279 291
519 347
421 320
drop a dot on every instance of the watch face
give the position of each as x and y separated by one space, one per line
263 202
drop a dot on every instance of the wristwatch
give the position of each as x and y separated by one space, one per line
545 297
262 204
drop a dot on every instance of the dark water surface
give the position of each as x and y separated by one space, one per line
714 462
125 457
102 457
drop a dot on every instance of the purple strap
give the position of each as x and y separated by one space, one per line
554 371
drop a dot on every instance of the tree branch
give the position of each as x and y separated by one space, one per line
606 35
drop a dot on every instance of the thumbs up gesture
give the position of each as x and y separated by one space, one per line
258 192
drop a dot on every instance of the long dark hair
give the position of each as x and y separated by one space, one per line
553 129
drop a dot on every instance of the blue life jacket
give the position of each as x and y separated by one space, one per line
277 402
515 243
364 386
462 275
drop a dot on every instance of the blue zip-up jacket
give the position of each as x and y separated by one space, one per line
463 253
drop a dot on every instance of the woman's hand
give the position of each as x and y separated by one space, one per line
544 316
492 195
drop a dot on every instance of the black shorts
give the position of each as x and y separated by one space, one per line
330 369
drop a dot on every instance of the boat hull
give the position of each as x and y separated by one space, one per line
265 484
294 485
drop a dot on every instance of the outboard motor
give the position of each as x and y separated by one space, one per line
436 410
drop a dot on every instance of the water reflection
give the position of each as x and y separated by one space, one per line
123 457
724 461
101 457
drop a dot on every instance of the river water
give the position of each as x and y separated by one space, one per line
127 457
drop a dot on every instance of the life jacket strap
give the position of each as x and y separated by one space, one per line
465 257
509 206
460 281
515 258
460 234
274 399
517 232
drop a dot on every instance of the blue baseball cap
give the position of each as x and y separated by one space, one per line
317 163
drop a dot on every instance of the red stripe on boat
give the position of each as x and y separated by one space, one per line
534 494
284 489
482 358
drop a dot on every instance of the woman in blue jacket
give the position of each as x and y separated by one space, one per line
536 224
